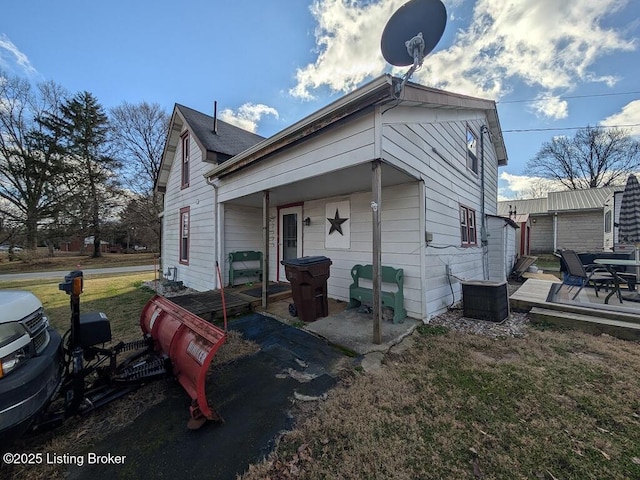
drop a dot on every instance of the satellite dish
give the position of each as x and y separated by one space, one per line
415 27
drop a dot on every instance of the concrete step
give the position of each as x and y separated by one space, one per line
587 323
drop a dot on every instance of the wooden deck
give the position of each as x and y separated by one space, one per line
587 312
208 305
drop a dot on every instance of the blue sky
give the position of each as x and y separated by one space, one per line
550 65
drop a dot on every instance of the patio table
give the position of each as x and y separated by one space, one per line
609 264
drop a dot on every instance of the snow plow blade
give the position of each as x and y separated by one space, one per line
191 343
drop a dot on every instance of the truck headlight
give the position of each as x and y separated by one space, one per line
15 347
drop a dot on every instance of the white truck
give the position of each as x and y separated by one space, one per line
30 362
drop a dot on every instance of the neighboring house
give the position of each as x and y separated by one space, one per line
196 142
309 190
571 219
81 245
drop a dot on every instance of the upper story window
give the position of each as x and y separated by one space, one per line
472 151
186 152
468 226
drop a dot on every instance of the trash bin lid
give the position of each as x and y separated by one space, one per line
304 261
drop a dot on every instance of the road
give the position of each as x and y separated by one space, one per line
9 277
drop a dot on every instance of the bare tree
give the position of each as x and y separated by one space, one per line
139 134
31 163
594 157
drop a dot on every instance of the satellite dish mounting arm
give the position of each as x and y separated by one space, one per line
415 49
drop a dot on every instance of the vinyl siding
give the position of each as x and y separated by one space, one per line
501 248
330 151
448 185
200 274
242 232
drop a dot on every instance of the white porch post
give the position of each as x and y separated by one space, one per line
265 255
376 227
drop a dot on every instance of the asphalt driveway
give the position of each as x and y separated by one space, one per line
253 394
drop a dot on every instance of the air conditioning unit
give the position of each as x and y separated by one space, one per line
485 300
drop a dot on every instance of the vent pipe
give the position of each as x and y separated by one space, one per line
215 117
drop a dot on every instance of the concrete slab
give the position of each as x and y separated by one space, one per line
354 331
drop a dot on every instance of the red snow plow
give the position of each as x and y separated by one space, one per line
174 342
190 343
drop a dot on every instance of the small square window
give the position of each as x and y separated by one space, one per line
467 226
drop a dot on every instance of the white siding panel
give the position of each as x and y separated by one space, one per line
400 240
410 137
200 274
333 150
242 232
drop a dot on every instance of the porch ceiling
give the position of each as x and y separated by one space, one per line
342 182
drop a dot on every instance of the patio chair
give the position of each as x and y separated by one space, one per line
595 275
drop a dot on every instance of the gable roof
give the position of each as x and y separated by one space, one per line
229 140
219 146
563 201
378 91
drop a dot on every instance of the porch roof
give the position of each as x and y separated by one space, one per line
356 178
380 90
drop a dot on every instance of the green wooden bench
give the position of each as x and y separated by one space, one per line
395 300
238 265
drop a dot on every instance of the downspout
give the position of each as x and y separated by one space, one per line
216 252
483 224
555 232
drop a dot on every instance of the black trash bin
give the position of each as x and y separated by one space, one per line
308 277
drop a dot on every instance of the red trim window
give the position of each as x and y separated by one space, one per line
184 235
186 153
468 226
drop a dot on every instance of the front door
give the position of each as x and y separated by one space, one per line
289 236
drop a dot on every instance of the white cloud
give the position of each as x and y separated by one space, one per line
348 38
522 186
629 115
10 55
248 115
546 44
551 106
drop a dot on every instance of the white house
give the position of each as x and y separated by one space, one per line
434 155
195 144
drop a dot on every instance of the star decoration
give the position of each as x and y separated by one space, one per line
336 223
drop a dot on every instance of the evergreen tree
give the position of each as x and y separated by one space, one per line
85 126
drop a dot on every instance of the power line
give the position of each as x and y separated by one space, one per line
570 97
526 130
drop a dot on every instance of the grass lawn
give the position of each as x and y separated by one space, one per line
548 262
119 296
552 405
39 262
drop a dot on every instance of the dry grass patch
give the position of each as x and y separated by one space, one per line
466 406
